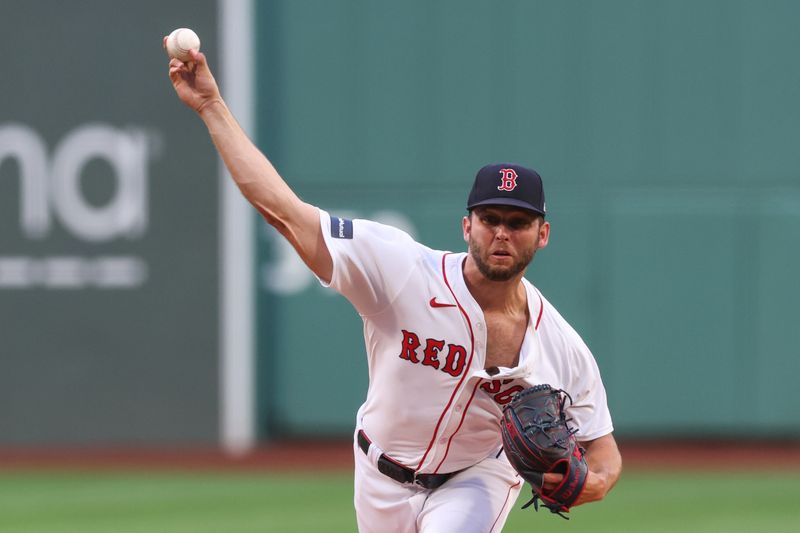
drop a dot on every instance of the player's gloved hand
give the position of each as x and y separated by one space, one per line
538 440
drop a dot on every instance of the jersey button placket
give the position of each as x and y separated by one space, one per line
480 339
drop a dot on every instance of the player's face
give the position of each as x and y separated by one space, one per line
503 240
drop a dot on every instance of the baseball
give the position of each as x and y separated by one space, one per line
179 43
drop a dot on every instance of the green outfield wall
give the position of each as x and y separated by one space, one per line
666 132
108 230
667 135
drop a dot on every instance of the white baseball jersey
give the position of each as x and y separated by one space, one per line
431 405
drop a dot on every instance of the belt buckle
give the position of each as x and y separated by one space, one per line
417 481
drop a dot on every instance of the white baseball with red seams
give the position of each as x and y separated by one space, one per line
180 41
431 405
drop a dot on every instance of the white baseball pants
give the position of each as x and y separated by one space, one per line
477 500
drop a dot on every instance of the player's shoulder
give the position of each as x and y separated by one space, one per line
554 328
366 228
393 236
345 229
375 235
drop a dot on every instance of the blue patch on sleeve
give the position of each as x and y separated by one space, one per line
341 228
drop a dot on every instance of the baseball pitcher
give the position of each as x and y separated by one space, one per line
477 383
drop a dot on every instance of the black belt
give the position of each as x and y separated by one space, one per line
401 473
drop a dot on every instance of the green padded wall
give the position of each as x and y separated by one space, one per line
667 135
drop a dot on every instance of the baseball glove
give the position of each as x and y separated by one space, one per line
537 440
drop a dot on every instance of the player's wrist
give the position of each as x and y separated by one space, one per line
210 106
595 489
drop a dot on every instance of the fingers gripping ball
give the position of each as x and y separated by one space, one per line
179 43
537 439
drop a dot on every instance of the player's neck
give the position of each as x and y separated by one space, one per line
494 295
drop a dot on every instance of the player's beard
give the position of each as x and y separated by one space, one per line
496 272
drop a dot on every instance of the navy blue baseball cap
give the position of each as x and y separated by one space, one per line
508 184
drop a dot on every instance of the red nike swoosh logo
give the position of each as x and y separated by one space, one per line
434 303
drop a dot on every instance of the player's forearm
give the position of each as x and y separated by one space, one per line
605 466
255 176
263 187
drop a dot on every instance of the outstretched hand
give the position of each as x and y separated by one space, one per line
193 81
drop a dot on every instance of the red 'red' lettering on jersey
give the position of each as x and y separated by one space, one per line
408 350
509 179
432 349
456 359
454 362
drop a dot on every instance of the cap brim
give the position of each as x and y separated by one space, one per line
513 202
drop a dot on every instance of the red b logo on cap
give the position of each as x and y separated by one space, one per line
509 177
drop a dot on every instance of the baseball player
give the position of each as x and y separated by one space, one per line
450 338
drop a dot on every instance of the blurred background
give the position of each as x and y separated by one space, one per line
143 306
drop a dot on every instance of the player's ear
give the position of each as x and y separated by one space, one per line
544 233
466 226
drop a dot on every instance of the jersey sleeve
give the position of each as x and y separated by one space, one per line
580 377
589 409
371 261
